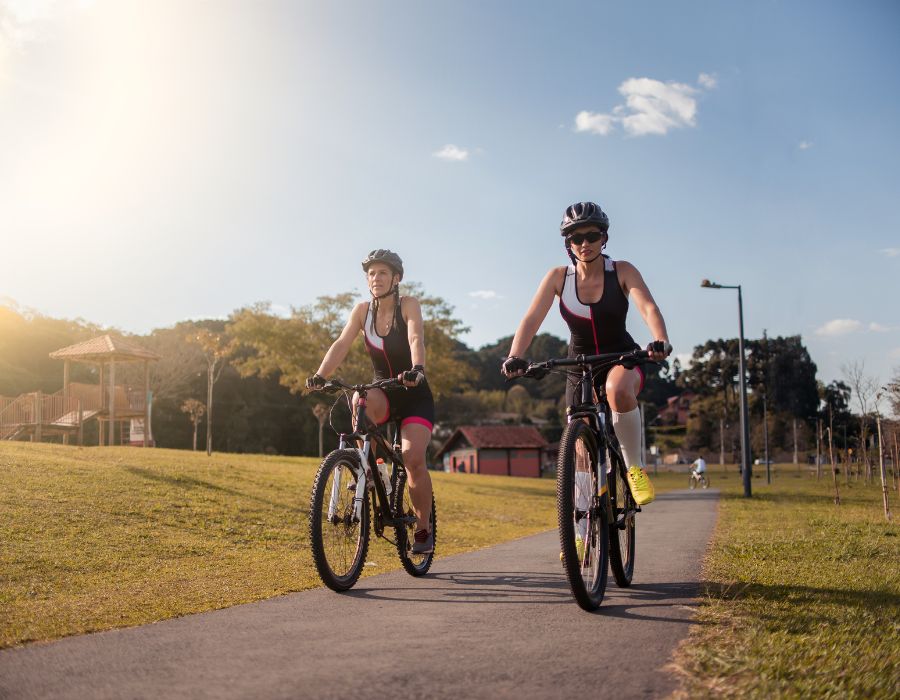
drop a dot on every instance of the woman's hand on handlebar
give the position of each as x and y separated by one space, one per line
513 367
316 382
659 350
413 377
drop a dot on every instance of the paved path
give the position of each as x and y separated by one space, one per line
498 623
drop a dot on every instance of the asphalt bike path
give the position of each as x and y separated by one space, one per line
496 623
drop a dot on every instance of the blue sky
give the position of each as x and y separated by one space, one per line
224 153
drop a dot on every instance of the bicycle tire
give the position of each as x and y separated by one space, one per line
334 540
588 593
414 564
622 541
692 483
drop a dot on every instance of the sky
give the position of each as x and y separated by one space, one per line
181 159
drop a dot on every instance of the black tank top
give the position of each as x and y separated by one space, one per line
599 327
390 353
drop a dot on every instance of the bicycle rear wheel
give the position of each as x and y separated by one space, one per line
622 531
339 537
401 505
581 514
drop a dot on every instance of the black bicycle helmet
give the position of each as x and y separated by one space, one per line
583 213
383 255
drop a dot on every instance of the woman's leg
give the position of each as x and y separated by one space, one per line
377 406
414 440
622 388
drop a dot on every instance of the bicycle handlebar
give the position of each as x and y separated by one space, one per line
334 385
539 370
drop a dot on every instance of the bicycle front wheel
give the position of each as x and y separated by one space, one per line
623 530
414 564
581 513
338 528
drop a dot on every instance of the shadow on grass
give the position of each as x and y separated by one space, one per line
189 482
761 495
806 601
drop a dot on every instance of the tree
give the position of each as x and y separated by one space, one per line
215 349
293 347
864 388
195 410
892 392
320 411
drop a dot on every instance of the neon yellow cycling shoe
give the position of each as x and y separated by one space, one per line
579 548
640 486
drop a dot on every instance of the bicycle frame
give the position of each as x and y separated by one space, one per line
361 440
596 413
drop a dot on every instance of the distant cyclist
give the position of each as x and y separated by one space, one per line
395 339
593 299
699 466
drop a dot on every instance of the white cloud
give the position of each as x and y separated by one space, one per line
657 107
485 294
805 145
707 81
879 328
452 153
594 123
651 107
839 326
891 252
895 354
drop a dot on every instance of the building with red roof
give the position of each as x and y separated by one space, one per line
509 450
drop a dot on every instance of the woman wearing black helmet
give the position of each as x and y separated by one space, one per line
593 298
395 339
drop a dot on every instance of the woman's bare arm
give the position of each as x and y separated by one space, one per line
636 288
530 324
339 349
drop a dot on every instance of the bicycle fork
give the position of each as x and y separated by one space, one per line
362 477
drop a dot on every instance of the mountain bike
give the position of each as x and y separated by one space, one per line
354 490
698 480
593 500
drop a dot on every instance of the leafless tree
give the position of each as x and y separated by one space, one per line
215 349
884 487
864 388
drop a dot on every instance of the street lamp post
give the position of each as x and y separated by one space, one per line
766 439
745 428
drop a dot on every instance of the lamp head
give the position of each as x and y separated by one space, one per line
710 285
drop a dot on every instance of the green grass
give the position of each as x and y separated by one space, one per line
802 596
96 538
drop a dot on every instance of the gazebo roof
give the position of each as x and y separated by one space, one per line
104 349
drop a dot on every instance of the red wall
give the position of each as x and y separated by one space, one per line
525 463
492 462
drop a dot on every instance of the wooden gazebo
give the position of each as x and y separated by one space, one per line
104 401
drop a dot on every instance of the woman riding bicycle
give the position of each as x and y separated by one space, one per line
593 299
395 339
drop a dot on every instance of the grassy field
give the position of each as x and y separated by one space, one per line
96 538
803 597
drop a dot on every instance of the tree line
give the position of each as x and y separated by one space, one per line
247 373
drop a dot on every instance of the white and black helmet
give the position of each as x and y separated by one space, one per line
385 256
583 213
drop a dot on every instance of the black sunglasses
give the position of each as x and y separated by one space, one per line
579 238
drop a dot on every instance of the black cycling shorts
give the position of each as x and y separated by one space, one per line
410 405
573 381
